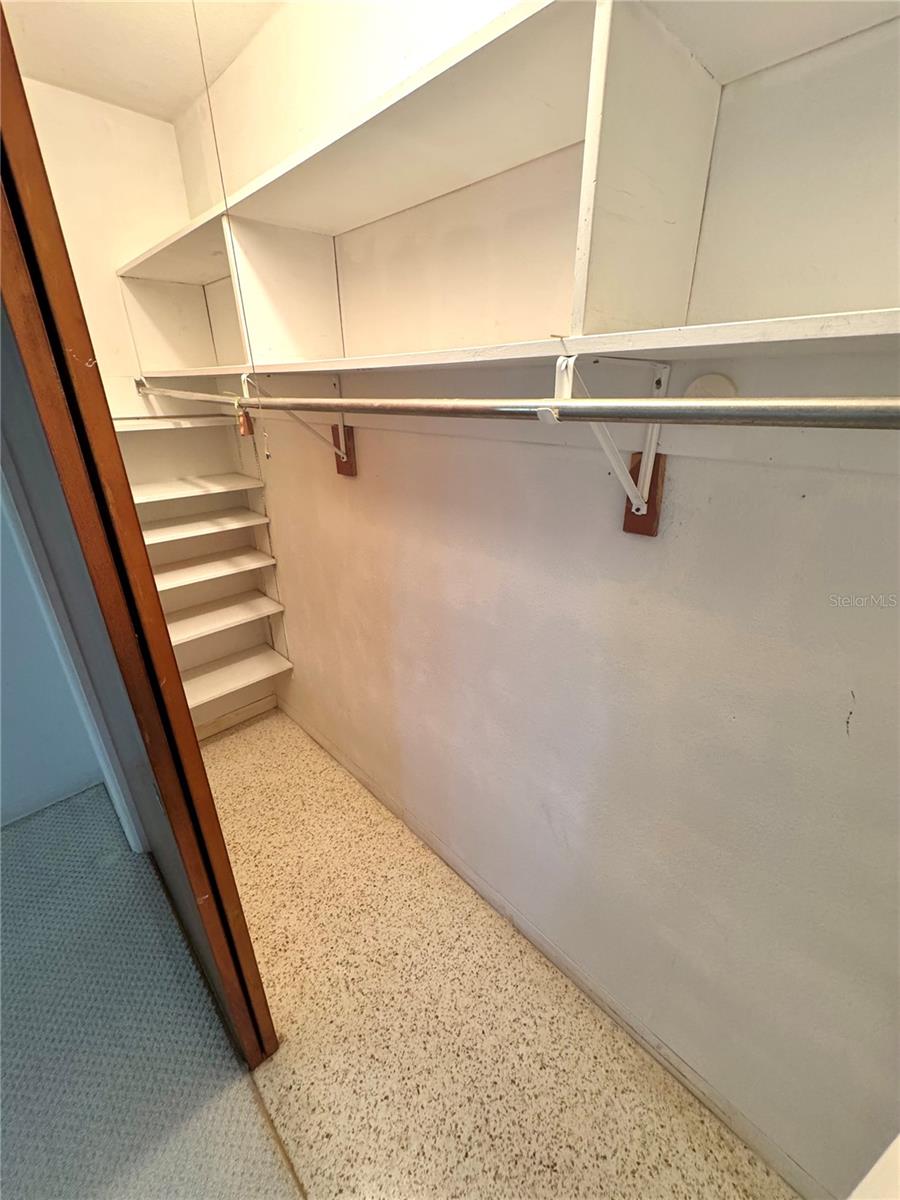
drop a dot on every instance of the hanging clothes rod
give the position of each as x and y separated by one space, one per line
831 412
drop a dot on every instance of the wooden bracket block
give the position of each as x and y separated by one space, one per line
347 467
648 524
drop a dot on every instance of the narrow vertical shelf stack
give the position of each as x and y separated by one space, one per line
637 180
206 532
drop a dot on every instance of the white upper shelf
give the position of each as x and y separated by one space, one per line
876 330
513 92
510 93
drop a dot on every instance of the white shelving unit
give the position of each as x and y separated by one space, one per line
559 187
212 560
612 181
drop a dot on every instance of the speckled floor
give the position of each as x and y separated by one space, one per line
428 1050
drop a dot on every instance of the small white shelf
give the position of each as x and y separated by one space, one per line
195 253
223 676
154 424
209 566
201 373
201 620
190 486
177 529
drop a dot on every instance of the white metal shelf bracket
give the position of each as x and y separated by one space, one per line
651 440
332 448
562 390
340 451
342 439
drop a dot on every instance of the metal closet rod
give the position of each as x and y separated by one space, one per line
831 412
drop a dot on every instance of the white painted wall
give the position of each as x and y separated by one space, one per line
802 211
116 180
322 64
289 293
47 750
486 264
673 761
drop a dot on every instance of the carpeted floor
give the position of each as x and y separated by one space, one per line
118 1080
428 1050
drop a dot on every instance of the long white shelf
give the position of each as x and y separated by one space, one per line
155 424
822 333
192 485
209 566
223 676
201 620
177 529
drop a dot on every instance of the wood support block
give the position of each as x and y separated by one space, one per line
648 524
348 467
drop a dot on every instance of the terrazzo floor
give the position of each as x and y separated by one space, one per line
118 1081
428 1050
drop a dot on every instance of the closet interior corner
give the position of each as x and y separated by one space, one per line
672 196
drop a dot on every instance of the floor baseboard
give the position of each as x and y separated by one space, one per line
780 1162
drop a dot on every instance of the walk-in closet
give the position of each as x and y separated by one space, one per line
507 393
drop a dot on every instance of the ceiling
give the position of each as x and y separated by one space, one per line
733 38
139 54
143 54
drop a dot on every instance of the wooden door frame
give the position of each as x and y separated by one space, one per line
47 320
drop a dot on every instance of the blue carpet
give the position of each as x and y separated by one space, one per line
118 1079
